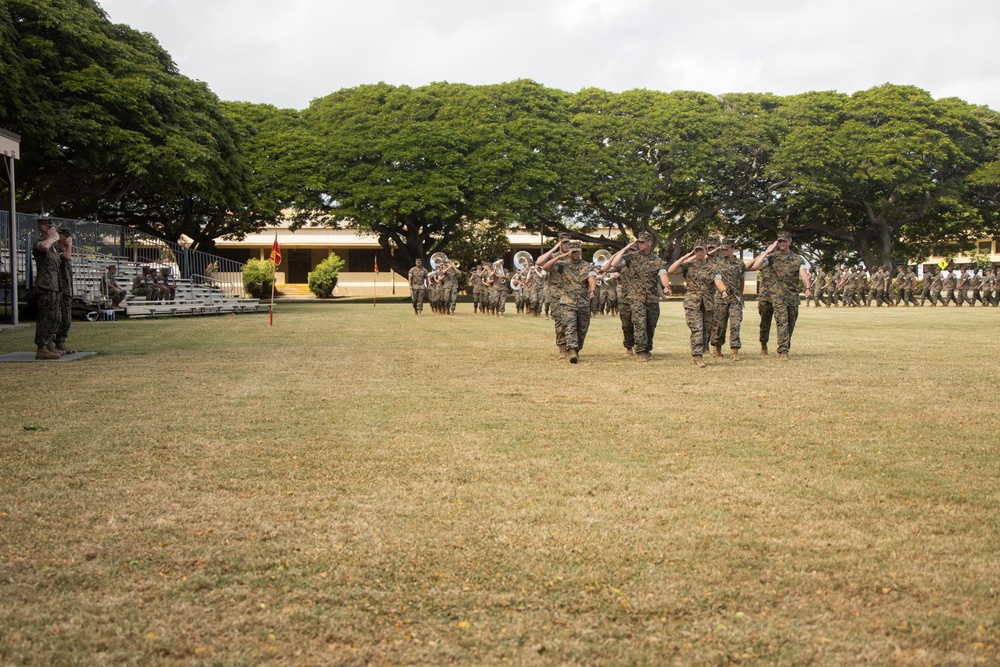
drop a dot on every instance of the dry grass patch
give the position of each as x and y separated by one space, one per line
357 485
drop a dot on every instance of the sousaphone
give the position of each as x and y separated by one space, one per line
601 257
521 259
438 259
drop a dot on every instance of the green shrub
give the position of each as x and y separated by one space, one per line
258 277
323 278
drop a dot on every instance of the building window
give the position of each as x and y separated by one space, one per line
986 247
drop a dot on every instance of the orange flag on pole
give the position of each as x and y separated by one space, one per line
375 284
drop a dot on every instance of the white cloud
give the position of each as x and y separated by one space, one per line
289 52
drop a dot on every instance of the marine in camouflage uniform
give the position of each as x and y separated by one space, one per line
417 278
849 284
578 282
990 287
961 286
536 289
449 284
47 276
832 280
730 271
499 285
609 295
909 284
142 285
65 245
975 289
819 296
785 268
699 299
643 275
937 287
553 290
863 290
925 291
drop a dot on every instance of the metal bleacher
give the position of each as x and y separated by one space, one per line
197 295
204 284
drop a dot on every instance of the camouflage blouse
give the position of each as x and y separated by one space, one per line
700 283
574 284
640 274
784 273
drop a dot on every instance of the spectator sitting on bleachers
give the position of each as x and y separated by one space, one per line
110 287
162 280
142 285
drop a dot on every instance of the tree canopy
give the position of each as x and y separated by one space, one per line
111 129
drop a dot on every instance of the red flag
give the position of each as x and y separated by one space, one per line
276 252
376 266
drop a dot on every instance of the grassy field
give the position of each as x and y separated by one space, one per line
355 485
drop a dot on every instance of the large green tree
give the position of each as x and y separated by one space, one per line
884 172
111 129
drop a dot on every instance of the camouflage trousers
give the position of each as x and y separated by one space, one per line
699 321
477 298
926 296
949 296
498 301
535 301
450 297
959 297
65 318
575 321
417 298
49 315
766 311
785 316
936 296
638 324
728 314
906 296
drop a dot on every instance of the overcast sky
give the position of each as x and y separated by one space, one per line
288 52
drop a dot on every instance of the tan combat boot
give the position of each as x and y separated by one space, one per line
562 351
46 353
717 351
782 356
736 354
629 352
698 361
643 356
763 349
573 356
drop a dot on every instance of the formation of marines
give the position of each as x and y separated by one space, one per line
632 282
852 287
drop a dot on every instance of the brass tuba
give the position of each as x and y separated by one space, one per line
521 259
438 259
601 257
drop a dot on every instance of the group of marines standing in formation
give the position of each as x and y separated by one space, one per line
632 282
852 287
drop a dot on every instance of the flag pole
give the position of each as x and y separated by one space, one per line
276 260
375 285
